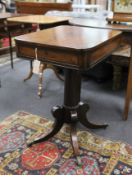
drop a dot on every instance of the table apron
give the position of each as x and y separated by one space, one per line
70 58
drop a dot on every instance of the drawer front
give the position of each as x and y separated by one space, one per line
59 57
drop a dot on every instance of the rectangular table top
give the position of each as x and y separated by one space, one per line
70 37
39 19
69 45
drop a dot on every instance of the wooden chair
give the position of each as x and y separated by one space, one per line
119 59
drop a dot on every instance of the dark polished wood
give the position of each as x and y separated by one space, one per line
75 49
59 41
126 38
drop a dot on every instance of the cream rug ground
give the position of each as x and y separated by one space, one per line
99 156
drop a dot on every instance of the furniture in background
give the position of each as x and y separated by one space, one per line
122 12
40 8
122 8
44 22
76 49
92 1
10 30
119 59
2 6
86 7
73 14
126 38
6 7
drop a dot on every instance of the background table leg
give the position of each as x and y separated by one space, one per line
129 90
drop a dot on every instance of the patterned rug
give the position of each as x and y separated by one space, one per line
55 156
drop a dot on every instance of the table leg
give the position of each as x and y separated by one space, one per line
129 90
82 110
57 113
11 50
30 73
72 110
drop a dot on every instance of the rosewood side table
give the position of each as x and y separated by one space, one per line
75 49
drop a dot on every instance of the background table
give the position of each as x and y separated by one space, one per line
127 37
9 30
46 21
43 22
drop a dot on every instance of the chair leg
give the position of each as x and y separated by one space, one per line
117 75
11 51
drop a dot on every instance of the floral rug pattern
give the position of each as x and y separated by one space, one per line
98 156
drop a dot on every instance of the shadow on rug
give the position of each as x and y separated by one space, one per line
55 156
